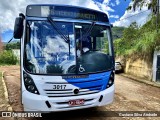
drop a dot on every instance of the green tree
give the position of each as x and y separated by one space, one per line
130 33
127 42
117 32
137 41
12 46
141 3
7 57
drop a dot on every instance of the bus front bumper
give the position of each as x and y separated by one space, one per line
33 102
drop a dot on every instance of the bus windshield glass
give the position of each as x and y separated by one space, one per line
68 48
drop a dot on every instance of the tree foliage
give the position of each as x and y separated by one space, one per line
7 57
138 41
12 46
117 32
141 3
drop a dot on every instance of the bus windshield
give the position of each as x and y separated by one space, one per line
68 48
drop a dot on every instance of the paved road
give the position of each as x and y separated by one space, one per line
130 95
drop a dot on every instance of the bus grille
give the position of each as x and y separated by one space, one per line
70 92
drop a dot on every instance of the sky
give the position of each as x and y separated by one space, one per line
115 9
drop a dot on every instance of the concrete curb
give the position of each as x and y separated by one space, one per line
6 93
141 80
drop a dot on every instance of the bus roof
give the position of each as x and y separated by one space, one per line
65 11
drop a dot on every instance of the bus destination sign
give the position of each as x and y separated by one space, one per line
73 14
65 12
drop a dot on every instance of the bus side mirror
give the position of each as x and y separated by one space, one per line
18 28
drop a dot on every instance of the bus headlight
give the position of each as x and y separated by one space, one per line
111 80
29 84
28 81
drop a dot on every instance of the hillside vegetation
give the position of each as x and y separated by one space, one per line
140 41
117 32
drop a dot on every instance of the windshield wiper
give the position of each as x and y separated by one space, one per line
88 32
66 38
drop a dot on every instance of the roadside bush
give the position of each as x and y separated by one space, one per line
7 57
146 43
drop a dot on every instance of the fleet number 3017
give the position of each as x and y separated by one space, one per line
59 87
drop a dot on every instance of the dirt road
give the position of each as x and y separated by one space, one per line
130 95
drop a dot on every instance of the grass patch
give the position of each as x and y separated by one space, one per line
3 102
7 57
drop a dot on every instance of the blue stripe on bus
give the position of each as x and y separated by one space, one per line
94 81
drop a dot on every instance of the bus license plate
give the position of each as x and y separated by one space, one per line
76 102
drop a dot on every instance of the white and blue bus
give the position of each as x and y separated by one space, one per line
67 58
